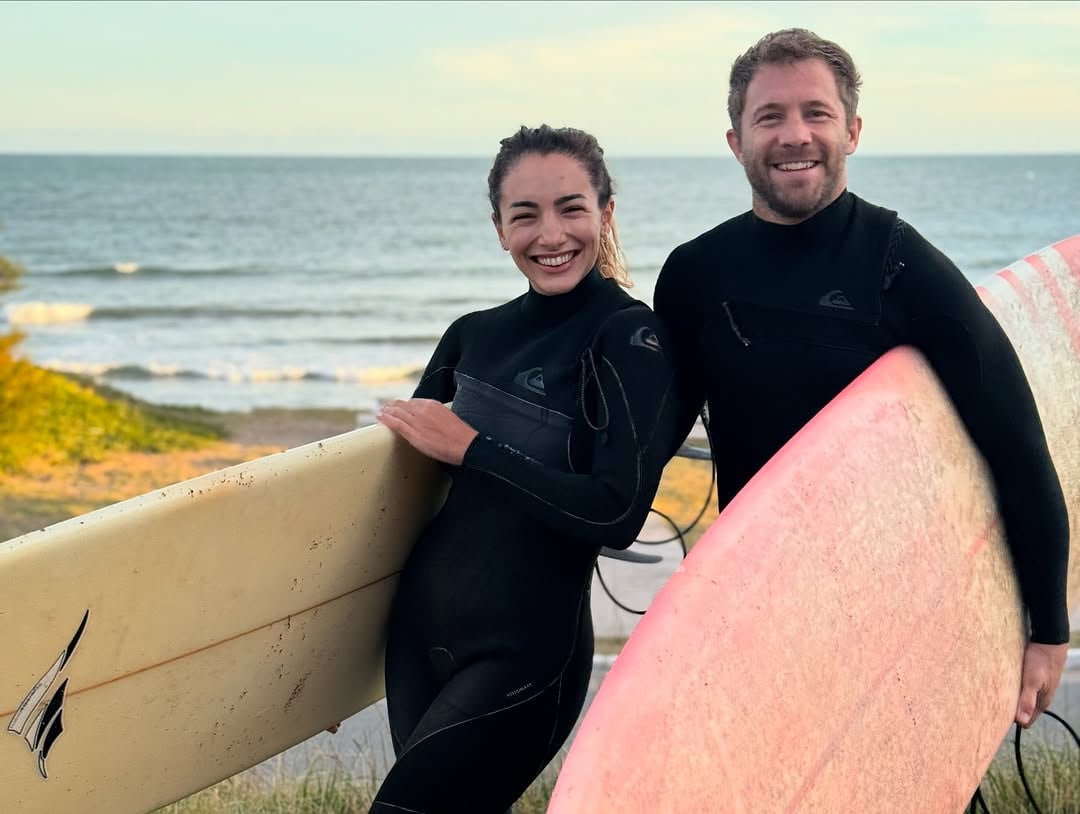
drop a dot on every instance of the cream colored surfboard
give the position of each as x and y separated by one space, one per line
152 648
847 636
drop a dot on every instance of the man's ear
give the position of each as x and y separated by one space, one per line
735 144
854 130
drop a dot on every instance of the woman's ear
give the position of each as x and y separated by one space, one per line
607 215
498 230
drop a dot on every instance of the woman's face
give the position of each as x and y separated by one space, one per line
550 221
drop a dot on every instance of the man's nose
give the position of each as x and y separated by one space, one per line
795 132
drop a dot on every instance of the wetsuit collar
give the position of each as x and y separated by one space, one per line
823 228
560 306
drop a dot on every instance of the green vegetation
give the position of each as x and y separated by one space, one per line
49 418
320 791
9 275
1054 777
1053 774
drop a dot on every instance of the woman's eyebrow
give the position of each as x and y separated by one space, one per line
558 201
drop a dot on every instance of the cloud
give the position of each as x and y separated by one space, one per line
652 54
1027 15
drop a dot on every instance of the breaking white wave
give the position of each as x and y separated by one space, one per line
46 313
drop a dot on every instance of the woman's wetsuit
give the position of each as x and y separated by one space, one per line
490 643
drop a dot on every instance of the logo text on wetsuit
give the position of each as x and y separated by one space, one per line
519 690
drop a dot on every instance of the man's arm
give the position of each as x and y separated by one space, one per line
671 302
932 306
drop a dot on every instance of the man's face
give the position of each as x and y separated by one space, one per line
794 140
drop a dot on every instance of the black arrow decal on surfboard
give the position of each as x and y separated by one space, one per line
41 731
52 727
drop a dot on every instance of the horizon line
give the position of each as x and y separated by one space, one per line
475 156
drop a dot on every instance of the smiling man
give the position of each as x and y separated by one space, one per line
775 311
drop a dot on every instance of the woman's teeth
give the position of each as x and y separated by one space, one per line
555 261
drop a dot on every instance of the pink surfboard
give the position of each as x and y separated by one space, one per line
847 635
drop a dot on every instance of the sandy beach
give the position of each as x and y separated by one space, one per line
43 495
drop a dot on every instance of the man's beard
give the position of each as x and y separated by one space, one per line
797 204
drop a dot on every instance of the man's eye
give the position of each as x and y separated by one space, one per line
521 216
574 209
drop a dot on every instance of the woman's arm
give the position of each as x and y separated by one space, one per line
629 409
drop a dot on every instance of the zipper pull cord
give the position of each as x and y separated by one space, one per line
734 325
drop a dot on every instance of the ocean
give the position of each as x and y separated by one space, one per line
234 283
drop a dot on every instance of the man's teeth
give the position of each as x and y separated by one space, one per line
796 165
555 261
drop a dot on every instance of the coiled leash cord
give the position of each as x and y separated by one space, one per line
679 533
978 804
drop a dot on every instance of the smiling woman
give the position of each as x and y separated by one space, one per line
555 213
563 418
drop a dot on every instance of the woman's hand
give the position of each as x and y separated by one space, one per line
430 427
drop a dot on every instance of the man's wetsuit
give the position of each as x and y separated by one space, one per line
490 644
770 322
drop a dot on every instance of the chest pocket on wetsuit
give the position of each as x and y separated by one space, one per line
784 364
536 432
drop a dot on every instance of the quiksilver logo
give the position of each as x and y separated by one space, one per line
532 379
645 337
836 299
39 721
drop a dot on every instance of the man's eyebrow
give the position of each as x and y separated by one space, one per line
780 106
529 204
768 106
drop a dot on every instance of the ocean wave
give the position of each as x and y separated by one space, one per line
383 339
256 312
212 312
130 267
116 371
46 313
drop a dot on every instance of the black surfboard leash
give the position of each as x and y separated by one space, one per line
686 451
978 803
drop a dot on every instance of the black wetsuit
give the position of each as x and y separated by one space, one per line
770 322
490 644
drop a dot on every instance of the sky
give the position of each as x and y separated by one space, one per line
452 78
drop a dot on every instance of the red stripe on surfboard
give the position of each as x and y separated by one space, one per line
1070 250
831 749
1061 302
1021 291
232 638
